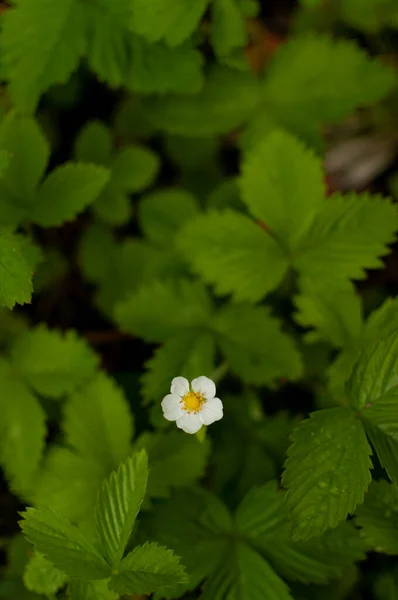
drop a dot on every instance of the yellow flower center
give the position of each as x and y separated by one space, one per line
192 401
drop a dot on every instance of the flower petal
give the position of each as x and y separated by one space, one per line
205 386
212 410
189 422
171 406
179 386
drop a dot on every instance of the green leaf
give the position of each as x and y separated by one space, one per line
386 585
134 168
94 144
22 431
63 545
29 153
334 314
159 310
242 333
146 569
41 577
15 272
98 422
118 505
92 590
326 472
96 252
188 354
163 212
378 517
228 30
158 20
349 235
295 81
74 186
52 363
158 69
262 519
41 44
225 102
282 185
386 450
176 460
230 251
371 17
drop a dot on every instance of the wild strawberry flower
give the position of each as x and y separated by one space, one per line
192 406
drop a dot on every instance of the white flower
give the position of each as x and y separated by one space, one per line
192 407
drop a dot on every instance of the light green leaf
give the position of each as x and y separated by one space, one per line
163 212
118 505
52 363
326 472
159 20
159 310
349 235
146 569
92 590
228 30
113 206
176 460
98 422
188 354
134 168
63 545
378 517
254 345
282 185
158 69
373 385
15 272
295 81
94 144
41 44
386 450
230 251
334 314
226 101
22 431
41 577
67 191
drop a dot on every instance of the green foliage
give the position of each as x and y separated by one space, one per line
16 275
378 517
41 577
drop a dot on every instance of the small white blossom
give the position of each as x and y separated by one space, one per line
192 406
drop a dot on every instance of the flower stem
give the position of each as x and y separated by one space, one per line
201 434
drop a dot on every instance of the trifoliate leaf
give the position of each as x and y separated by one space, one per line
256 349
232 252
15 272
41 44
159 310
96 252
228 30
188 354
225 102
42 577
98 422
262 519
386 450
349 235
28 152
158 69
67 191
118 505
63 544
378 517
334 314
94 144
22 431
159 20
134 168
163 212
91 590
326 472
176 460
146 569
282 185
295 81
53 364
